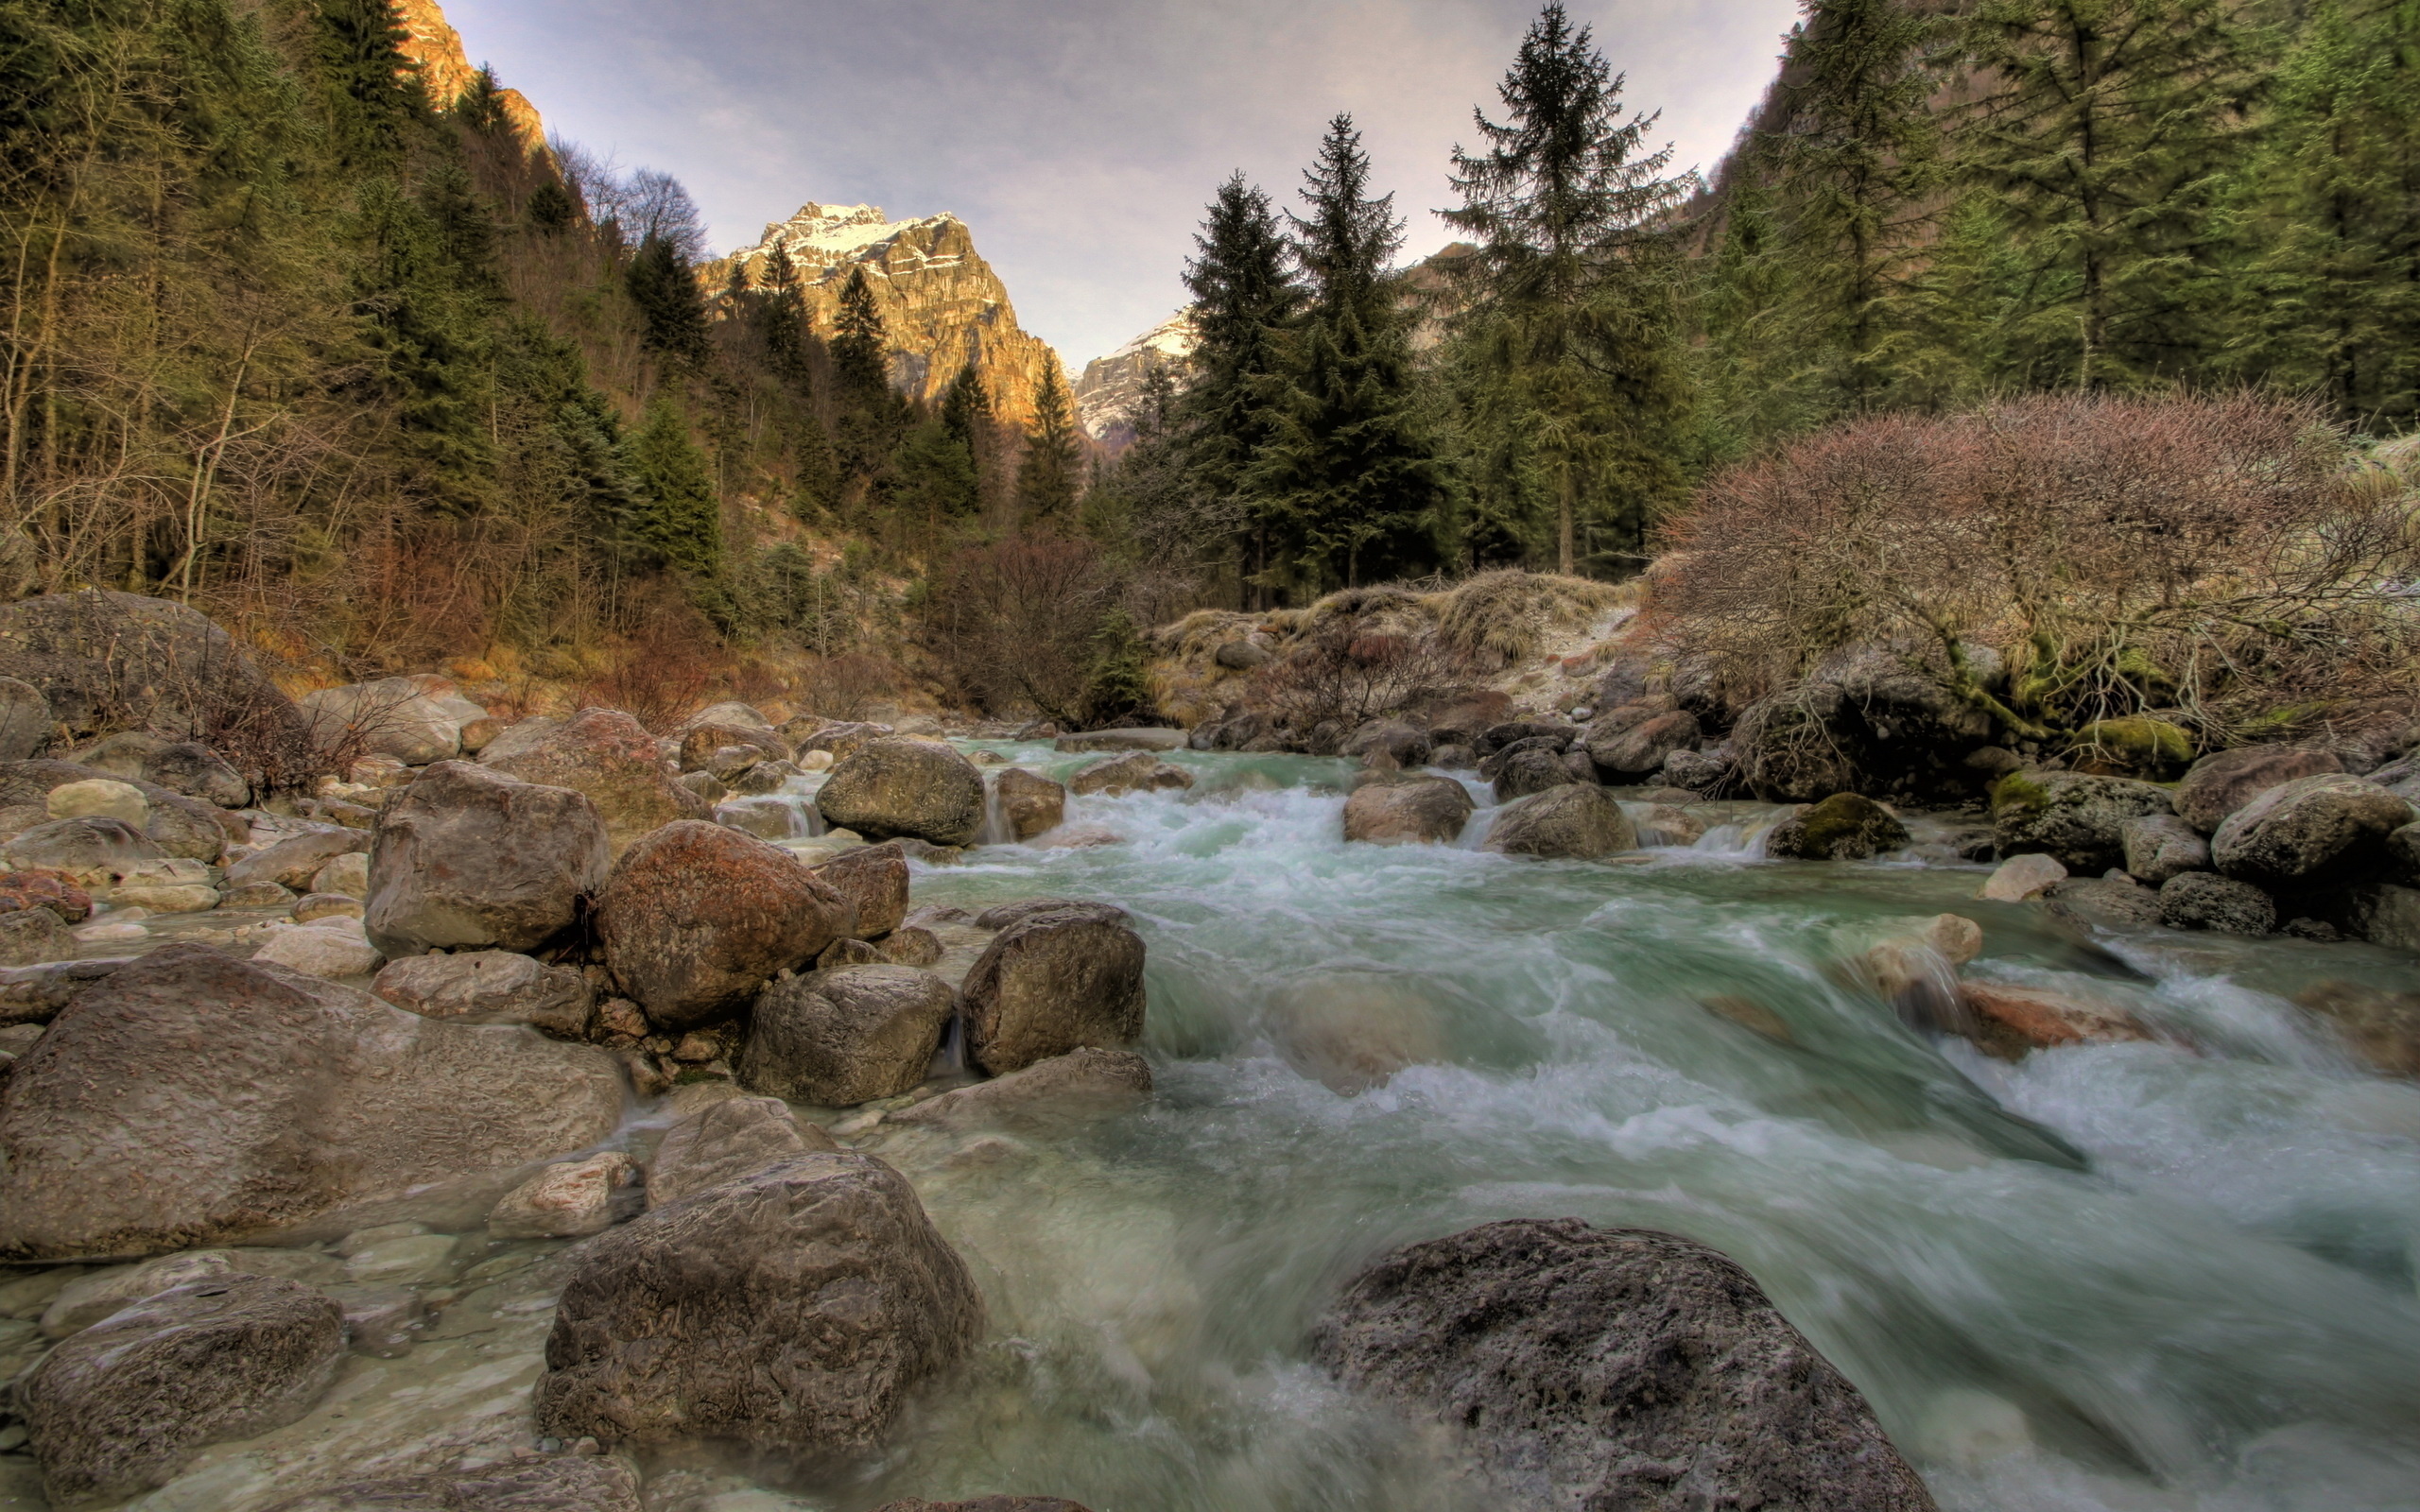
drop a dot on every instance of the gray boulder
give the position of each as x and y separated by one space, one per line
1844 827
1613 1368
1134 772
1421 810
2101 902
1032 804
2218 784
1577 821
560 1483
1696 770
87 846
1051 981
125 1404
609 756
105 660
797 1309
179 825
470 858
2202 899
295 860
840 1037
696 918
2080 820
1079 1085
1407 745
727 1141
30 937
1534 770
1639 749
2329 828
1000 916
2160 846
874 880
488 987
267 1099
897 786
389 716
25 721
1142 738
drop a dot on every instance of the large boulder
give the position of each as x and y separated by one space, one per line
727 1141
1054 980
874 880
1521 773
88 847
190 767
105 660
2200 900
2329 830
1428 810
187 1098
1630 750
696 918
2220 785
488 986
1134 772
843 1037
1577 821
2160 846
1138 738
25 721
1844 827
1032 804
2081 821
1079 1085
1405 744
390 717
179 825
896 786
559 1482
466 858
609 756
295 860
794 1309
1613 1368
127 1403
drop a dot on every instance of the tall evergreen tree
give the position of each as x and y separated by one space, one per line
1573 288
675 519
781 319
870 413
664 287
368 91
1244 298
1049 475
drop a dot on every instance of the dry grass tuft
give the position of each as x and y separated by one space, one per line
1503 616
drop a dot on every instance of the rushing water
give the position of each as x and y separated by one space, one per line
2129 1277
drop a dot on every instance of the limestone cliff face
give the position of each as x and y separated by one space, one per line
435 48
1112 386
943 306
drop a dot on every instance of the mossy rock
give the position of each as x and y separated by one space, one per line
2136 744
1844 827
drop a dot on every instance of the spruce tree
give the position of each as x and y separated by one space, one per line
1573 288
675 519
1244 299
370 94
872 414
664 289
1050 475
781 319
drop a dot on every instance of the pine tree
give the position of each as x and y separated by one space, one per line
674 520
1049 475
664 289
481 105
781 319
966 408
872 414
1244 301
551 208
1573 288
2106 132
370 94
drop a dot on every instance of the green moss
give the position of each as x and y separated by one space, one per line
2140 739
2018 791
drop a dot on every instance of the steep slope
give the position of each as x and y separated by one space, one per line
943 305
1110 386
436 49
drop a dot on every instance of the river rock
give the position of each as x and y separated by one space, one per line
347 874
609 756
30 937
99 797
2330 829
470 858
267 1099
1137 772
2218 784
1844 827
795 1309
1079 1085
53 890
2021 877
1000 916
2105 903
1576 821
488 986
1006 1503
92 848
696 918
840 739
1031 803
2161 846
170 897
1613 1368
840 1037
1405 744
700 743
874 880
295 860
106 660
725 1141
567 1200
1534 770
124 1405
2202 899
560 1483
2010 1020
194 769
1641 750
2380 1026
323 948
1128 739
389 716
1053 981
911 945
1420 810
2081 821
25 721
897 786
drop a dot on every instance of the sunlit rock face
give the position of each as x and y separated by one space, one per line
943 306
435 48
1110 394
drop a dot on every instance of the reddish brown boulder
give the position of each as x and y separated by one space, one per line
609 756
873 879
696 918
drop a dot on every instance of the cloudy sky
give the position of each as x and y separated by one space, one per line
1078 138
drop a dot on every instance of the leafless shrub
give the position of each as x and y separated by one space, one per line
848 686
2210 559
1341 673
1018 623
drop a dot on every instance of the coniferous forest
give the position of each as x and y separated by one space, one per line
368 372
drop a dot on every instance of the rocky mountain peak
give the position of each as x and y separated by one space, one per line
435 48
1112 386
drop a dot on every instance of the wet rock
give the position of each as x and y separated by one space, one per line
1534 770
1665 825
696 918
172 898
30 937
2201 899
837 740
726 1140
700 743
1421 810
1079 1085
1577 821
840 1037
1132 739
312 908
796 1309
2101 902
38 888
295 860
1053 980
25 721
34 994
91 1297
1032 804
488 986
2382 1028
2080 820
323 948
1353 1034
873 881
897 786
1696 770
766 778
388 716
102 658
1614 1368
267 1099
1138 772
98 797
2220 785
2021 877
380 1321
2330 827
2384 913
124 1405
1000 1503
1844 827
1641 750
1405 744
2160 846
563 1201
563 1483
91 848
2010 1020
609 756
1914 964
1000 916
913 945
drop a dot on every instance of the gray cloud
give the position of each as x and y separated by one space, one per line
1078 138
